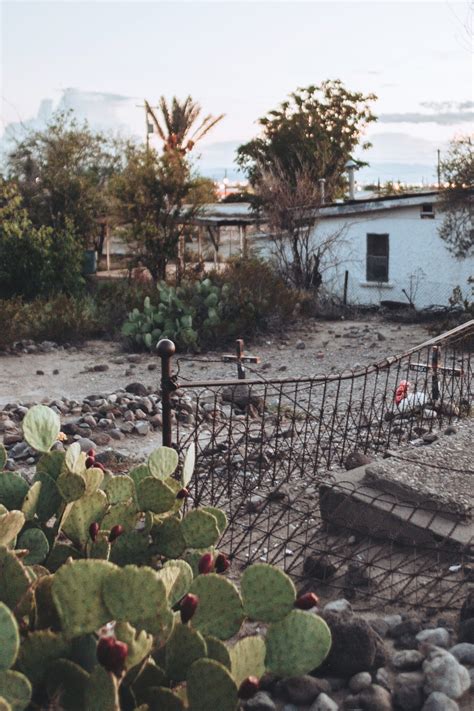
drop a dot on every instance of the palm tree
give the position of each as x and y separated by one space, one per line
177 121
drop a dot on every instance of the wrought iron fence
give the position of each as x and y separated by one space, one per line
268 452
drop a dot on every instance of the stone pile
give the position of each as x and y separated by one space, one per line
391 663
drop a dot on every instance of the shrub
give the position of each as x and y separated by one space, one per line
112 596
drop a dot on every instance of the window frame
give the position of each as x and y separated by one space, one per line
371 257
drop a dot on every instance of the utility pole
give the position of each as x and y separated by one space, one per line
148 125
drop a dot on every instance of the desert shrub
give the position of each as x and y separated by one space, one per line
114 299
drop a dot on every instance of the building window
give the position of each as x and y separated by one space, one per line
377 257
427 211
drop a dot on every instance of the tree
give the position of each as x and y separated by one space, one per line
177 121
457 197
35 261
314 131
62 173
155 196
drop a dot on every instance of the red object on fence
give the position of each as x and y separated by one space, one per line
401 391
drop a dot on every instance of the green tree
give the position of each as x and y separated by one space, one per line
314 131
177 121
457 197
62 172
155 196
35 261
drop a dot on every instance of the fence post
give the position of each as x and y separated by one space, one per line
166 349
434 367
346 281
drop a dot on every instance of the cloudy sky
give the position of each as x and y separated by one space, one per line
242 58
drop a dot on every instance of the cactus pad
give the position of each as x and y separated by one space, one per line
83 512
267 592
15 689
162 699
100 548
168 538
3 456
93 478
75 459
163 462
130 547
154 495
51 463
119 489
41 427
14 579
71 486
11 524
297 644
65 683
59 555
38 650
247 658
200 529
139 473
49 499
150 675
10 639
30 502
101 693
218 651
210 686
160 625
139 644
188 465
13 489
46 615
133 594
220 612
177 576
219 515
182 649
37 544
77 593
124 514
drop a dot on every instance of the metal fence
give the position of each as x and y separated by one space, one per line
270 453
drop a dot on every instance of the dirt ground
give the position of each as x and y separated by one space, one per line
329 346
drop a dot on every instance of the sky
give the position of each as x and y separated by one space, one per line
242 58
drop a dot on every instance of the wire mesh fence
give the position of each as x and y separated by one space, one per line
271 453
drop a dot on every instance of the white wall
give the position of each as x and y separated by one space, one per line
418 259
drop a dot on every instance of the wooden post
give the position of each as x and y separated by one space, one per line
346 282
107 247
166 349
241 241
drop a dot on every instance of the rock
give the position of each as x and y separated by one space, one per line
410 626
408 691
300 345
355 645
356 459
152 366
101 439
321 568
127 427
375 698
40 372
444 673
268 681
430 437
357 575
255 504
382 677
260 702
302 689
380 336
450 430
341 605
467 609
100 367
132 358
20 450
324 703
12 437
137 389
407 660
464 653
86 444
406 641
439 637
466 631
115 433
439 702
380 626
360 681
392 620
142 427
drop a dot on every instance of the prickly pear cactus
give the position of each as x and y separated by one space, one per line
41 427
139 644
154 495
200 529
163 462
297 644
220 611
177 577
267 592
9 636
35 541
247 658
13 489
15 689
168 538
133 594
3 456
83 512
11 524
210 686
182 649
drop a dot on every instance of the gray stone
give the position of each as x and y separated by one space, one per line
341 605
408 691
411 626
464 653
382 677
116 434
142 428
324 703
355 645
20 450
407 660
430 437
467 609
102 439
380 626
137 389
260 702
360 681
439 702
300 345
392 620
86 444
302 689
444 673
375 698
439 637
356 459
466 631
127 427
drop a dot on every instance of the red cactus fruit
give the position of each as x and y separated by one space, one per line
90 462
188 607
206 563
307 601
98 465
222 563
182 493
91 453
94 530
249 687
111 654
115 532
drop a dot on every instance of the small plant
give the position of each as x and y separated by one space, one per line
113 597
